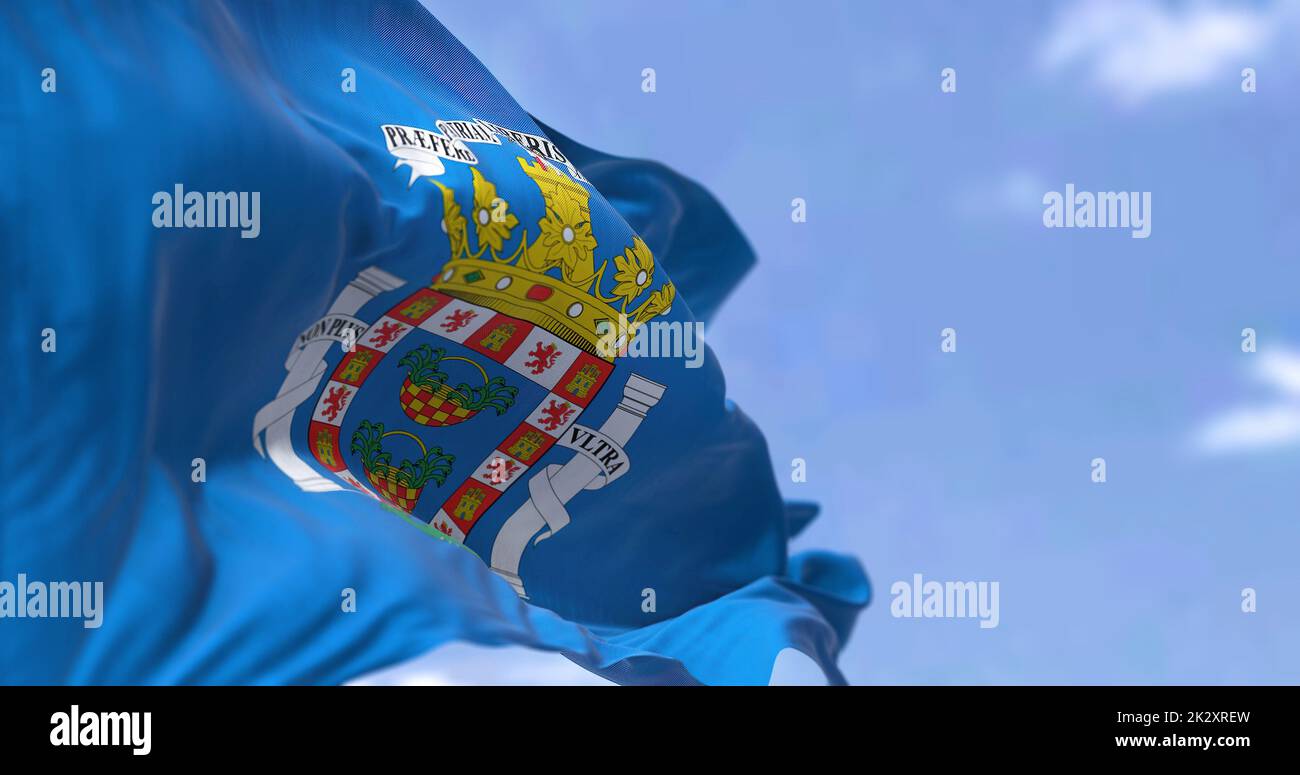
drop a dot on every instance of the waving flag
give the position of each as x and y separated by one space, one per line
282 273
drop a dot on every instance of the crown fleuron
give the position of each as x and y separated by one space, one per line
551 280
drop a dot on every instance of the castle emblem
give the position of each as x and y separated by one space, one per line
499 337
356 366
526 446
581 383
468 504
327 448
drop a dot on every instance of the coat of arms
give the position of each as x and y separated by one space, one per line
443 397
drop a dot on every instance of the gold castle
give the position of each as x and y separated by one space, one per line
551 281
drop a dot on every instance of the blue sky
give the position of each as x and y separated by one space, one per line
924 211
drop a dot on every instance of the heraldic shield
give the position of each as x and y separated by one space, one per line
438 400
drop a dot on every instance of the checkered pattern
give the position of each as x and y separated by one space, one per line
393 490
433 407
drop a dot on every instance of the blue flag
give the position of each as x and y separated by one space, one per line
322 352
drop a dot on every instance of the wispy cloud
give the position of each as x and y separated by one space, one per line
1015 193
1134 49
1264 426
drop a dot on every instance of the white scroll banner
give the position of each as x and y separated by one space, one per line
344 329
423 150
607 454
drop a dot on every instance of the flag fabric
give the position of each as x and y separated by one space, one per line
323 352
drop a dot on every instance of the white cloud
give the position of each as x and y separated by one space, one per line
1271 425
1281 369
1134 49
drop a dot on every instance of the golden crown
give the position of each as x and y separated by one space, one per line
551 281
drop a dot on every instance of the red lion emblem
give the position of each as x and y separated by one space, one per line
543 358
387 332
458 320
334 402
554 416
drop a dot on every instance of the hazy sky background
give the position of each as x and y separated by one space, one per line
925 212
